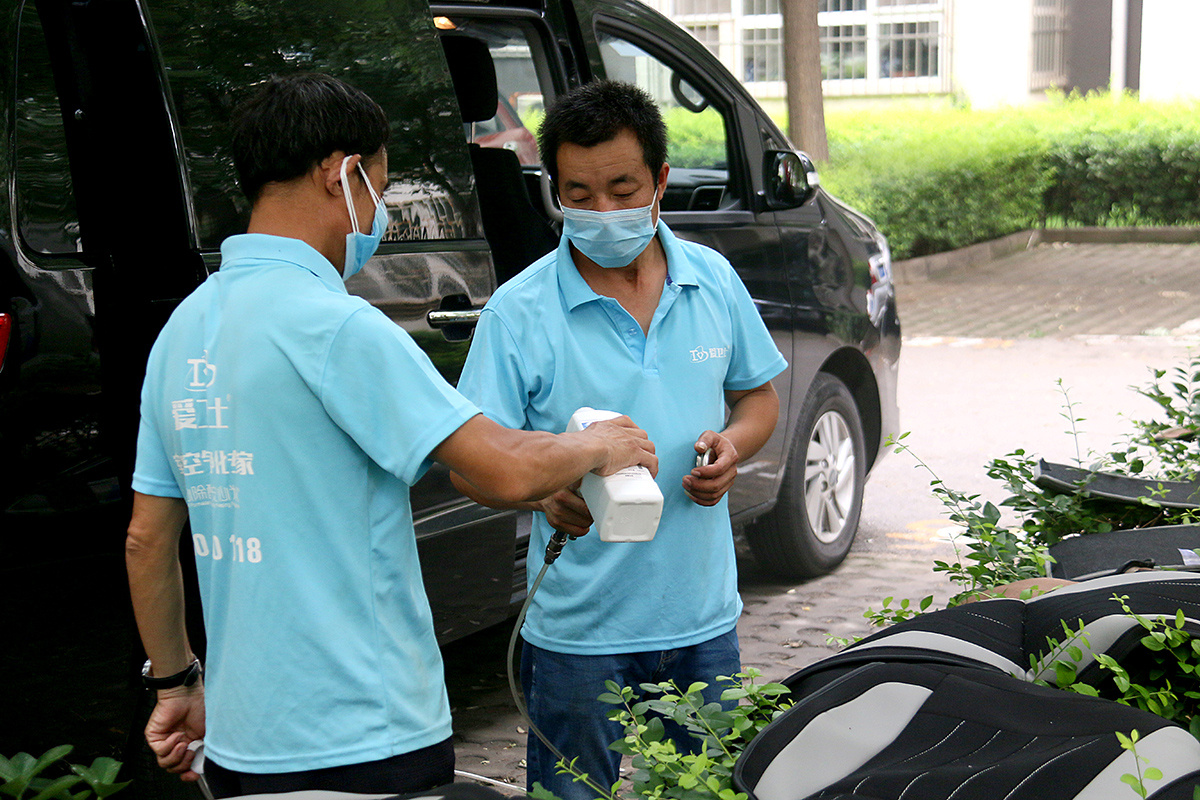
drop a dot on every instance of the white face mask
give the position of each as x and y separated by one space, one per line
612 239
361 246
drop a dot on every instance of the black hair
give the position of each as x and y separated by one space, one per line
293 123
595 113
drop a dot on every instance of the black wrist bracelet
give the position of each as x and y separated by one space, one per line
187 677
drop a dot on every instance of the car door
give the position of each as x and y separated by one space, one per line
715 154
434 265
100 251
525 52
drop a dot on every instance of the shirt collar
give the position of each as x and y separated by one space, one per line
253 249
576 291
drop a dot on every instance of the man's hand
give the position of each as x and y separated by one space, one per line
708 484
176 722
627 445
566 511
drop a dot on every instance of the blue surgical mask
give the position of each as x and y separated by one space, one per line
361 246
610 238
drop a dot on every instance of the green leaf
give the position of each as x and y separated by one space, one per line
60 788
1133 781
539 792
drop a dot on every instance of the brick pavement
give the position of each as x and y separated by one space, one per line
1061 289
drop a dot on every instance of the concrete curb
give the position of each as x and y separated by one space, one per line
914 270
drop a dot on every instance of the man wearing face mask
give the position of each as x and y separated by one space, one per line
625 317
287 419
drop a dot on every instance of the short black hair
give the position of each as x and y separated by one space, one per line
293 122
595 113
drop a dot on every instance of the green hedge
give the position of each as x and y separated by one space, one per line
935 180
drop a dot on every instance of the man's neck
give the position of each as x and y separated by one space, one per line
291 217
636 287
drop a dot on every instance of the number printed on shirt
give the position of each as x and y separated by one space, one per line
239 551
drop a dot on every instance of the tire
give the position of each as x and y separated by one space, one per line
812 526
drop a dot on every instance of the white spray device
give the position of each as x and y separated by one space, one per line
626 505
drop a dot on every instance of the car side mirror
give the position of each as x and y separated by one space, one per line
789 179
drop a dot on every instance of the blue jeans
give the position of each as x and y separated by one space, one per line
561 692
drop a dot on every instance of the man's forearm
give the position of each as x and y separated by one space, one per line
752 418
509 468
156 581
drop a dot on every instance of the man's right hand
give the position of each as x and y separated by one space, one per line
176 722
626 445
566 511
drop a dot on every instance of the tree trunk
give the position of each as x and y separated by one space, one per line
802 72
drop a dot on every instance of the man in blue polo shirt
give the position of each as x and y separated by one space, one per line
288 419
625 317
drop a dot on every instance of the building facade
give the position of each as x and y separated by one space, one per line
986 52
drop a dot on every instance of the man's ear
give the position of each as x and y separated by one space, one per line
662 178
330 171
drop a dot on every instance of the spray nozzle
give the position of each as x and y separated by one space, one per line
558 540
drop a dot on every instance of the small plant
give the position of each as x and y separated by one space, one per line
1137 782
22 777
1166 444
660 769
987 554
1159 677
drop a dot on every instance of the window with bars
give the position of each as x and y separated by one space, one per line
1049 44
751 8
762 55
908 49
707 35
843 52
841 5
696 8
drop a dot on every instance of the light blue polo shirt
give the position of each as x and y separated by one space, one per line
293 418
547 344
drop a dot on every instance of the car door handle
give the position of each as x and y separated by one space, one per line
440 319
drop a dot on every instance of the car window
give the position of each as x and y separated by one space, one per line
214 55
522 78
48 223
697 132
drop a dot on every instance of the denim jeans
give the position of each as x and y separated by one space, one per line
561 692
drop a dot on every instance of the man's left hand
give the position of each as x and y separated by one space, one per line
708 484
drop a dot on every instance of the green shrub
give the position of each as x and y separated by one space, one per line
24 775
939 179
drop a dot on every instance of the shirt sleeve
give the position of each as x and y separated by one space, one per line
494 375
384 392
756 359
153 472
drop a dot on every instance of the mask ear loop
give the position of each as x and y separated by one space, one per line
346 194
367 181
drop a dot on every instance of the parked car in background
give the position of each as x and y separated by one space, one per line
119 189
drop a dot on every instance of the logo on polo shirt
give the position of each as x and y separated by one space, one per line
705 353
203 373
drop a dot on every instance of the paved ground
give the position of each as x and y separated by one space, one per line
1062 290
1100 292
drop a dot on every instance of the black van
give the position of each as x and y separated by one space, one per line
119 187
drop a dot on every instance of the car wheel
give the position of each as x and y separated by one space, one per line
812 526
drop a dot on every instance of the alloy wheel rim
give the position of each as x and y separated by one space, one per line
829 477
